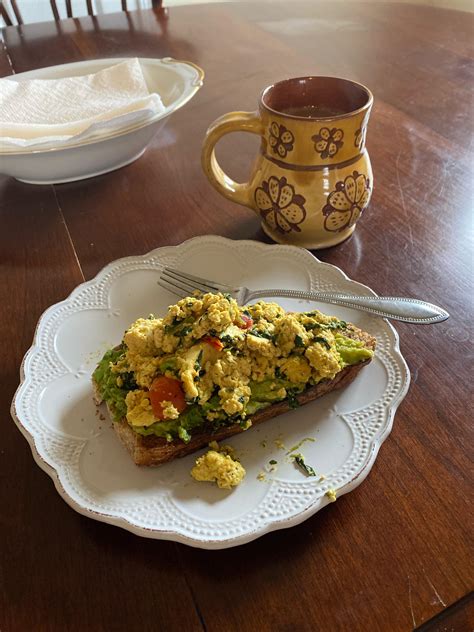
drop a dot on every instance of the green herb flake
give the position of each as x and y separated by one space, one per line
128 381
226 339
292 399
184 331
322 341
197 364
300 462
299 341
273 462
262 334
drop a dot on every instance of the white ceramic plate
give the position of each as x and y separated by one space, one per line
95 475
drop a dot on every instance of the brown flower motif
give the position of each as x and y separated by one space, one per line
280 207
280 139
345 204
328 142
359 140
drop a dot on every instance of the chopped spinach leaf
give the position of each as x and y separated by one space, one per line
307 469
311 326
197 364
184 331
262 334
226 339
323 341
169 328
299 341
292 399
128 381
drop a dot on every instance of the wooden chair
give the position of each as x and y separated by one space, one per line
15 16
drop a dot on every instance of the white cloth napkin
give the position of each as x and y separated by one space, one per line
57 112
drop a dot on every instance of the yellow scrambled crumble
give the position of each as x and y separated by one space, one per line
220 351
139 411
331 494
169 410
219 466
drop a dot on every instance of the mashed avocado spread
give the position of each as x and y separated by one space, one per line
227 362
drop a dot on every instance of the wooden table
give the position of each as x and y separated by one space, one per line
395 553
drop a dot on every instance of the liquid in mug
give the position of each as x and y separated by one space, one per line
313 111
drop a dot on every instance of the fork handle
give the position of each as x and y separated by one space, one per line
408 310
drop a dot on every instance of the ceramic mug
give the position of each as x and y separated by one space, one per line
312 179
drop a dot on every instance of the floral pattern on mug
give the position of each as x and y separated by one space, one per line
345 204
328 142
280 207
359 140
280 139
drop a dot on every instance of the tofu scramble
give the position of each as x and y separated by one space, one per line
210 363
219 465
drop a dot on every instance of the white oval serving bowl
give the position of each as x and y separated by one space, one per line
175 81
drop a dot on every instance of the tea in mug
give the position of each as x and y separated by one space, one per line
313 111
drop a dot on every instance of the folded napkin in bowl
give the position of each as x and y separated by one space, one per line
44 113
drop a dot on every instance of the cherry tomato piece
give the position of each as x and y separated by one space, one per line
166 389
214 342
247 322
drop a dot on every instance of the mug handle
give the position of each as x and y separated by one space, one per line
231 122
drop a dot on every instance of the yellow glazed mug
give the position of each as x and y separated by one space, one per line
312 179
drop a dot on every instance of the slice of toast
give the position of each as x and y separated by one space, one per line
152 450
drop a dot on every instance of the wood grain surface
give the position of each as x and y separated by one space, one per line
396 553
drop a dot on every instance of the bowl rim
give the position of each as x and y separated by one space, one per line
194 85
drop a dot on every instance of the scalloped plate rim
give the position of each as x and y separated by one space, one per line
176 536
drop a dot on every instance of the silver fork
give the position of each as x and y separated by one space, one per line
408 310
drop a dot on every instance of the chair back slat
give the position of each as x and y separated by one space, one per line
4 15
54 9
16 11
9 19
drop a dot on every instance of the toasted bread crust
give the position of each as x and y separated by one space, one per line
153 451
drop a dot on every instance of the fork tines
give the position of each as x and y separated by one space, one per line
182 284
